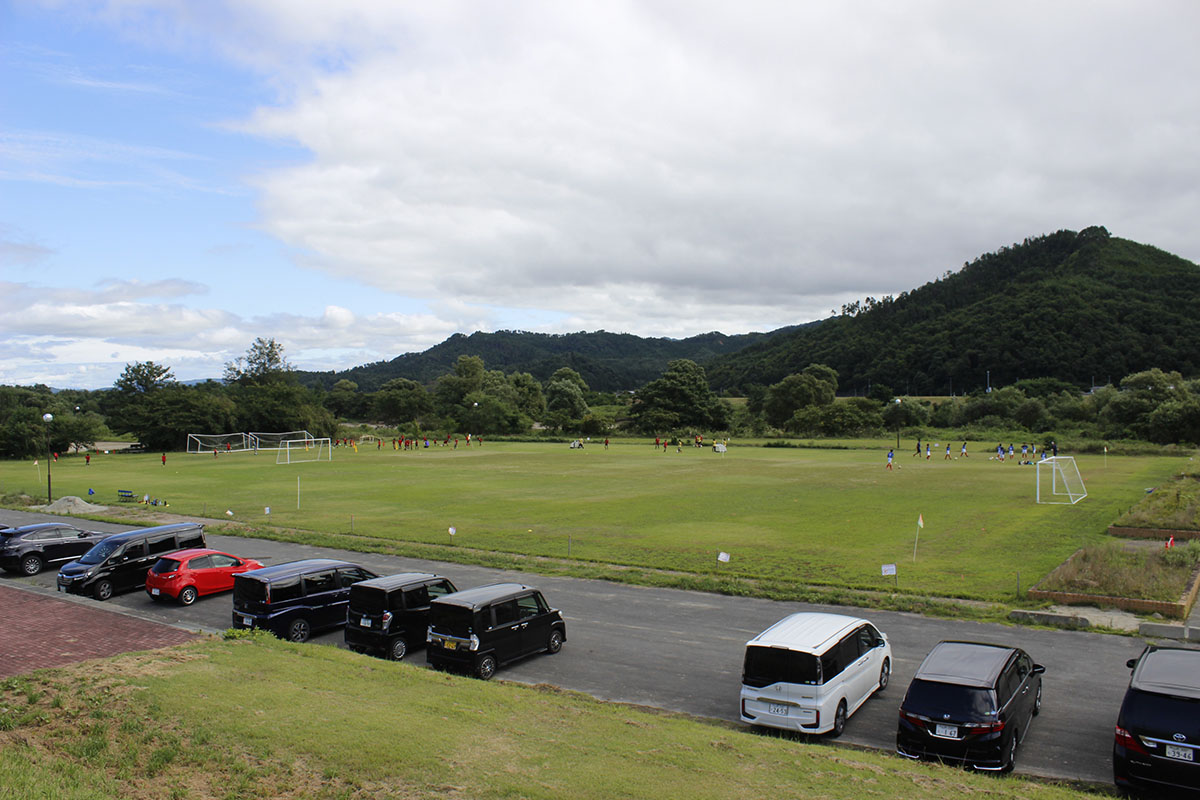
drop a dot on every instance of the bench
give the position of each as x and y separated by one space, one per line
126 496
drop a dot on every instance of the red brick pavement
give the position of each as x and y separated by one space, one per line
38 631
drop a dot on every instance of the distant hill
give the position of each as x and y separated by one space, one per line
609 362
1074 306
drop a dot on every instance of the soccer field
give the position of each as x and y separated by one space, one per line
827 517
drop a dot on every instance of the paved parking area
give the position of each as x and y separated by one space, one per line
39 630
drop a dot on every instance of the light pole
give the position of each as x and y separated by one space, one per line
897 427
48 418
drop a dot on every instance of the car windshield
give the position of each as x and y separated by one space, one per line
934 699
767 665
368 600
165 565
451 620
100 552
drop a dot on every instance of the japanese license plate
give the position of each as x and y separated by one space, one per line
777 709
365 622
948 731
154 592
449 644
1181 753
248 621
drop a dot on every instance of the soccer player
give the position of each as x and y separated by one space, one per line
891 454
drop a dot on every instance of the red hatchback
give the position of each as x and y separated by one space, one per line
186 574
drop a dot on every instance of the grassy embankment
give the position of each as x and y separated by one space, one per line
263 718
788 517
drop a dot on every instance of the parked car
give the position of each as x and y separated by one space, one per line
121 561
809 672
971 704
29 548
189 574
1157 743
296 599
388 615
479 629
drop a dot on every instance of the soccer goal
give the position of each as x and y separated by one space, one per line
223 442
260 440
1058 481
298 451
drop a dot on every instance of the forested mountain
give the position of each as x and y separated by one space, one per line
609 362
1072 306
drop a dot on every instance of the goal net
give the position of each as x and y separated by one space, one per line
223 442
273 441
1058 481
298 451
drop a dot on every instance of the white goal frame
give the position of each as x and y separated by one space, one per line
261 440
207 442
1062 483
299 451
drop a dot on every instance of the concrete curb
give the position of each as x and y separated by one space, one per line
1072 622
1161 630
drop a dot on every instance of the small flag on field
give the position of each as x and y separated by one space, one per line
35 462
722 556
91 491
920 520
1170 542
453 530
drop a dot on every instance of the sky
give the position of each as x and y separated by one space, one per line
364 178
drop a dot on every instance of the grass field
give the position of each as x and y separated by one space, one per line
825 517
264 718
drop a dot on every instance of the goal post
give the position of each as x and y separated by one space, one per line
1059 481
262 440
222 442
299 451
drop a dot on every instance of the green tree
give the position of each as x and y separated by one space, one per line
679 400
263 363
401 401
529 396
142 377
344 400
815 386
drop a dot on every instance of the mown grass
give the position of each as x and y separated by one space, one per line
793 517
1124 569
256 717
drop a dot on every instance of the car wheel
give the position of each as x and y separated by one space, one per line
398 650
1037 701
299 630
187 595
885 674
555 643
31 564
486 668
1010 760
839 721
102 590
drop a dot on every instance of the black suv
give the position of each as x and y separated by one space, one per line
31 547
970 704
120 562
1158 730
296 599
388 614
481 628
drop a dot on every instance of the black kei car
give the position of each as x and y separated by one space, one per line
481 628
1157 743
29 548
970 704
388 615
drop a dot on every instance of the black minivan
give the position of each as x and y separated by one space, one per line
479 629
296 599
120 561
971 704
388 615
1157 737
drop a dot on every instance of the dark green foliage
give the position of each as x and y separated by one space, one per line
1067 307
680 401
815 386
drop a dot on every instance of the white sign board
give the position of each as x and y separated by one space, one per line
889 569
723 557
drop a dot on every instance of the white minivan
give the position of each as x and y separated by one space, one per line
809 672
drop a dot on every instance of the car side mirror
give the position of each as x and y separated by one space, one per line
1038 669
1131 663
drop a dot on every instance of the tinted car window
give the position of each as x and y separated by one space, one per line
164 565
416 598
248 590
438 589
162 544
932 698
222 560
201 562
452 620
506 612
1009 681
134 550
192 538
319 582
867 638
371 600
767 665
529 606
285 590
348 576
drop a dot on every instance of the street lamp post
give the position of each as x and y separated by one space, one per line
48 418
897 427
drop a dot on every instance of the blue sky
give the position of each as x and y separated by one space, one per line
362 179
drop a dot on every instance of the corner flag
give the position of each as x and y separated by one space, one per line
920 520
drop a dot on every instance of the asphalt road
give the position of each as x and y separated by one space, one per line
682 650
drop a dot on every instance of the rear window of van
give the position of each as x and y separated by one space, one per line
767 665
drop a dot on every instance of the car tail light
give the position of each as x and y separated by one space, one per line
474 642
1129 741
913 718
983 727
387 619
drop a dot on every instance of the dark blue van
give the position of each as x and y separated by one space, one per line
296 599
